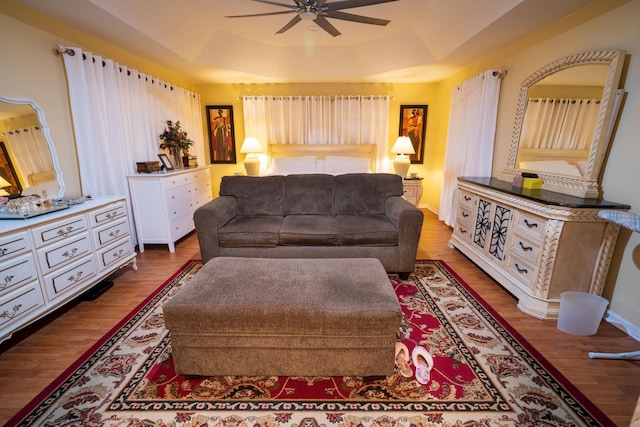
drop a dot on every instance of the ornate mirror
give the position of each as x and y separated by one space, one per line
28 159
564 119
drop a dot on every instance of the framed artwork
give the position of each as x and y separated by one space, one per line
8 173
222 142
413 123
166 162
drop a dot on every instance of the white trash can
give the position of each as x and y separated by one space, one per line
581 312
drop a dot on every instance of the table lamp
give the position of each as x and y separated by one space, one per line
251 146
4 185
401 148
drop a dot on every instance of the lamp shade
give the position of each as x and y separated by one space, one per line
251 145
4 183
403 145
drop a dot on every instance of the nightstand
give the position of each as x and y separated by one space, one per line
412 190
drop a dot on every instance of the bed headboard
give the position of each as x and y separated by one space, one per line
321 151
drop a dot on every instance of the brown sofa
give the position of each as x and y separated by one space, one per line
312 216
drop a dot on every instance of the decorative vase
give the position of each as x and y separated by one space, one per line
176 157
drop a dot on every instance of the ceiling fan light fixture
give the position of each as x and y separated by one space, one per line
307 15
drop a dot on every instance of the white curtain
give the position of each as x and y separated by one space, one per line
559 123
30 152
470 136
319 120
118 114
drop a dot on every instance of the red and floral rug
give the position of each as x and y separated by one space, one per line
484 374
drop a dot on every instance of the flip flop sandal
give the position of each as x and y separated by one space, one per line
423 362
402 360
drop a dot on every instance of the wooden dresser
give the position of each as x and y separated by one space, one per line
48 260
535 243
163 203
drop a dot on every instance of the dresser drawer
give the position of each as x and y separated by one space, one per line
110 256
75 247
465 215
58 231
16 307
183 179
13 245
531 225
63 281
17 272
522 270
108 214
110 233
181 226
467 200
527 249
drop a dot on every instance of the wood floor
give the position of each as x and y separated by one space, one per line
37 355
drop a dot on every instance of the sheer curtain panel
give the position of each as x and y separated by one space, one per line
118 114
319 120
470 136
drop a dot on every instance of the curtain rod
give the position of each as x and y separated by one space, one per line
61 50
240 98
501 73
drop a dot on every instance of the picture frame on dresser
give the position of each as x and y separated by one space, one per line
222 143
166 162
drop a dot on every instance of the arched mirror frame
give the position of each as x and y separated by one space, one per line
47 136
586 186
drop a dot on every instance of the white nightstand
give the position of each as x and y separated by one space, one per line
412 190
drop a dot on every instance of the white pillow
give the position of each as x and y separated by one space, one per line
292 165
551 166
336 165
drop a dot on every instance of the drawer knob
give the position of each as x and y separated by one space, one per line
118 254
75 277
16 309
64 232
521 270
525 248
530 224
3 251
71 253
114 233
465 215
7 281
462 230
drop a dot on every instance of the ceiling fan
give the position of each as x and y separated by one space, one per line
319 10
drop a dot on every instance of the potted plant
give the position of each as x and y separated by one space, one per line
174 139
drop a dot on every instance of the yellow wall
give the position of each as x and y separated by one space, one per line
419 93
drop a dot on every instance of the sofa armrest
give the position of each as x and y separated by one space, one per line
408 220
209 219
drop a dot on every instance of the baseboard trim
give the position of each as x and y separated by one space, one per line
624 325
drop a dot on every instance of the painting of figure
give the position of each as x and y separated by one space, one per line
222 145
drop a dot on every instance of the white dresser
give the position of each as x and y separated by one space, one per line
537 244
48 260
163 204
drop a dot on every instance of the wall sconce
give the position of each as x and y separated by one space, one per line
251 146
401 148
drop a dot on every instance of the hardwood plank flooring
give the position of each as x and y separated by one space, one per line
36 355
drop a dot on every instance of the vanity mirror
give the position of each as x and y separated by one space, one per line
564 119
30 162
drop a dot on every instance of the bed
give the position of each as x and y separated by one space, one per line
553 161
334 159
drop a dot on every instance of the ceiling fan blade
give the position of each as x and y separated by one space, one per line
325 25
355 18
284 12
275 3
348 4
290 24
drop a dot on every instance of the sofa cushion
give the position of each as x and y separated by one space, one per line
365 193
256 195
308 194
309 230
254 231
363 230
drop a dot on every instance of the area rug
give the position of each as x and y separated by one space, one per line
484 374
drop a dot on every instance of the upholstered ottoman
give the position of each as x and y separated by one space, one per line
289 317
